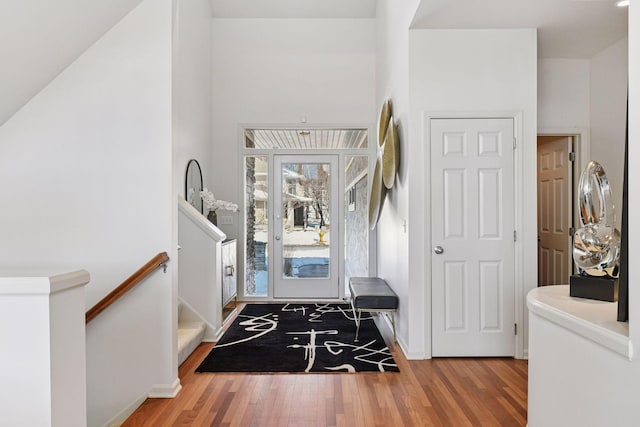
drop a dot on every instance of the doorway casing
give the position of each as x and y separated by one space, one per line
519 295
342 154
581 148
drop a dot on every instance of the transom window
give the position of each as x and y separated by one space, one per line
306 139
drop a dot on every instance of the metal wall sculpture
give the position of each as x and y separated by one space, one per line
387 162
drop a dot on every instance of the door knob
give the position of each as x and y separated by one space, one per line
438 250
277 237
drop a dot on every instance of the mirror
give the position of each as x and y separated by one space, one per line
193 185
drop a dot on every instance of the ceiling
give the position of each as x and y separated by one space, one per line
39 38
566 28
332 9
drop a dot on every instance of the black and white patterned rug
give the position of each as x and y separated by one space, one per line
299 338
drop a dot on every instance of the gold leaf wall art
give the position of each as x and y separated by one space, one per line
387 162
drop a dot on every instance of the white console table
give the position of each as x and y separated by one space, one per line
581 368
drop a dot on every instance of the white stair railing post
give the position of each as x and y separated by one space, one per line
43 350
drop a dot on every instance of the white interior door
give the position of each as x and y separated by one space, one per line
306 227
472 229
554 210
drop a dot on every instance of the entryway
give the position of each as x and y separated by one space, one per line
305 240
555 209
472 235
306 195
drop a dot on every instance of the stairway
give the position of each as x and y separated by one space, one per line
190 334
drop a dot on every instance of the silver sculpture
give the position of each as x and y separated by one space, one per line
596 245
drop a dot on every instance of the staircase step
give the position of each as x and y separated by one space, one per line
190 335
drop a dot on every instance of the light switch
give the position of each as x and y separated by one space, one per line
226 220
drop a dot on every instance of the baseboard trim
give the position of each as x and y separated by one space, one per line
383 321
211 335
408 354
158 390
122 416
165 390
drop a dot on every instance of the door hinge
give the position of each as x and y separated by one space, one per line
572 157
515 329
514 142
572 231
515 237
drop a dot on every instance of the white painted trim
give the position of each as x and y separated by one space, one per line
33 283
200 221
211 332
593 320
582 145
342 226
582 148
416 355
520 190
519 299
370 152
583 134
356 180
165 390
122 416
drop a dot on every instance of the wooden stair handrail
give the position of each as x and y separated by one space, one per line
157 261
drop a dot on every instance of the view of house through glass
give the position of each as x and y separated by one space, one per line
298 206
306 223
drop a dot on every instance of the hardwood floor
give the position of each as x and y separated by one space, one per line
439 392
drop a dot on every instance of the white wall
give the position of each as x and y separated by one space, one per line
589 94
191 88
563 93
275 71
561 394
192 104
503 79
634 184
39 38
393 256
608 114
200 278
85 174
608 76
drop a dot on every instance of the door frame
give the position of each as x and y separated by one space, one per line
342 154
582 150
518 170
336 263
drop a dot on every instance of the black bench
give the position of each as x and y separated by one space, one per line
372 294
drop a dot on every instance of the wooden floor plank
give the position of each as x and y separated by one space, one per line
439 392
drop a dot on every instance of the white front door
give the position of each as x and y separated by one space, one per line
472 232
306 227
554 210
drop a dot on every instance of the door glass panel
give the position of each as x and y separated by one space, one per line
257 224
306 223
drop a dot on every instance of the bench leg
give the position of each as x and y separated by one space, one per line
356 318
357 324
393 324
